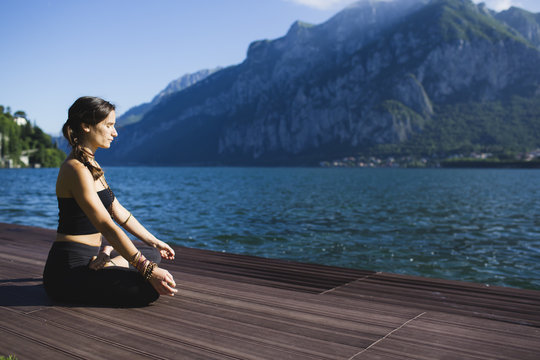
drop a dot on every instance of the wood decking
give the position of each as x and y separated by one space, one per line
241 307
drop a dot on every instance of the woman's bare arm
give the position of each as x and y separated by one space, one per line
128 221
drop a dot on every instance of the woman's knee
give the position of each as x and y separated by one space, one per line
151 254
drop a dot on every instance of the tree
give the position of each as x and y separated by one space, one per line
26 130
16 138
20 113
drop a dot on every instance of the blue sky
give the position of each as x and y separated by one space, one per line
128 50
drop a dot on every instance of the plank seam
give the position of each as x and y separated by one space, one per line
387 335
32 311
347 283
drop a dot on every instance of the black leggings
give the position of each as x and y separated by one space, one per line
67 278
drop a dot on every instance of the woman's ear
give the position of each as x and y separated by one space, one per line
85 127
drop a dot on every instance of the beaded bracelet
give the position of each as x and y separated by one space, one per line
143 265
149 271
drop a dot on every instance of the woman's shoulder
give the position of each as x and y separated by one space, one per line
73 169
73 177
72 166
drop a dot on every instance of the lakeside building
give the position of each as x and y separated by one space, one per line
19 120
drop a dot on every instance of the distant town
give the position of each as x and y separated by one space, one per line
474 159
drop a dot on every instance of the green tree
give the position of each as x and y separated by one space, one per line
17 138
20 113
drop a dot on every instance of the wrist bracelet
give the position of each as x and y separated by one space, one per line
135 258
149 271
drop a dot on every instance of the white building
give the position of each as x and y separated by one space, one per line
20 121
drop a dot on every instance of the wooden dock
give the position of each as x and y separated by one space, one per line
240 307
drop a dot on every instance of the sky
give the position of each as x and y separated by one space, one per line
127 51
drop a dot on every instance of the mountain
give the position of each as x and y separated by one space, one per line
135 114
525 23
377 74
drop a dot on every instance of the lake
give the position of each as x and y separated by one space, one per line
472 225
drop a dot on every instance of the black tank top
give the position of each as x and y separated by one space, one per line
73 221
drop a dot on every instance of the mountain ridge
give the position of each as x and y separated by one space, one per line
136 113
305 96
527 24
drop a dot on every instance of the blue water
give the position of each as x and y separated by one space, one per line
473 225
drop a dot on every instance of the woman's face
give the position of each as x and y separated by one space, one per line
103 133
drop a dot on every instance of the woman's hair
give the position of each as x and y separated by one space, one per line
91 111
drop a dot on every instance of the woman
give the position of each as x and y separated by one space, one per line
76 270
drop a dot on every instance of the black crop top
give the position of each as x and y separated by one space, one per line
73 221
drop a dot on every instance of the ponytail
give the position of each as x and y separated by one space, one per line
79 153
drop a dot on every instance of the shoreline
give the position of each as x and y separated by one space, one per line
449 164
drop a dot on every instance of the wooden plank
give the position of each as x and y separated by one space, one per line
278 323
19 267
439 335
130 332
28 331
280 301
18 234
242 307
504 304
13 343
276 273
196 332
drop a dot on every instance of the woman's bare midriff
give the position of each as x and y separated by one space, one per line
90 239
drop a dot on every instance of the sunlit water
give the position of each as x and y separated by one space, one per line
474 225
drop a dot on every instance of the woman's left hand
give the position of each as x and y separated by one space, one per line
164 249
102 259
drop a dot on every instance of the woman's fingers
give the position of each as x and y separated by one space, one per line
165 288
99 262
163 282
169 290
171 251
168 279
169 283
165 254
165 250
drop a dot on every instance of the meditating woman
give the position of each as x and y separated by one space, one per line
77 271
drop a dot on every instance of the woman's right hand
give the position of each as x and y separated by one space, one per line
163 282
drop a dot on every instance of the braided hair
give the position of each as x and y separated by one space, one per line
91 111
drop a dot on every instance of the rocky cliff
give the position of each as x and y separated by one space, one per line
373 74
